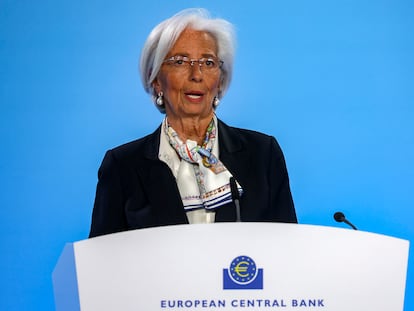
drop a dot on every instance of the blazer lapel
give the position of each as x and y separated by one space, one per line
160 184
233 152
162 190
235 156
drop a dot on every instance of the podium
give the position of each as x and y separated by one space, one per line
233 266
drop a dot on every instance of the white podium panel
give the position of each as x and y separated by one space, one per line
233 266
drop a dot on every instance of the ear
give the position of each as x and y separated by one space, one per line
219 89
156 86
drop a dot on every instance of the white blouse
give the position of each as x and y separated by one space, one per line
184 173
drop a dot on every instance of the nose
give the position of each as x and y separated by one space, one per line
195 72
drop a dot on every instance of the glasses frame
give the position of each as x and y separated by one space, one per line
190 61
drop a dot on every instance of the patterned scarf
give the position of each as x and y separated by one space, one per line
211 187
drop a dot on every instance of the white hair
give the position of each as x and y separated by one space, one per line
164 35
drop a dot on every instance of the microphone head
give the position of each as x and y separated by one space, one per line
339 216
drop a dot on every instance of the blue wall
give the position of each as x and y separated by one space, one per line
332 80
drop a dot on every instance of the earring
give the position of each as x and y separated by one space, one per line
160 101
216 102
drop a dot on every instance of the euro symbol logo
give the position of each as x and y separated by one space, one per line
243 274
241 269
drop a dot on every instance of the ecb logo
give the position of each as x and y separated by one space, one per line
242 274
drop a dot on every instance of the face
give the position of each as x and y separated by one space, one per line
189 93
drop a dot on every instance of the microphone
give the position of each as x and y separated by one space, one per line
235 196
340 217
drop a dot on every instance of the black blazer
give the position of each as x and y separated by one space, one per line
137 190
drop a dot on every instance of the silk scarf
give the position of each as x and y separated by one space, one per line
202 179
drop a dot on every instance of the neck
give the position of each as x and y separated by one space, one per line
193 128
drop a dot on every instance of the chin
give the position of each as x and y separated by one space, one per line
197 110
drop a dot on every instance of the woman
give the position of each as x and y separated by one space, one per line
180 173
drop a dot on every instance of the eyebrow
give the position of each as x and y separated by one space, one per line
205 55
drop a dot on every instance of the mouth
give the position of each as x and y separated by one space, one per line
194 96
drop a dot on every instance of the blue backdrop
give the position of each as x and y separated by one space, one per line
332 80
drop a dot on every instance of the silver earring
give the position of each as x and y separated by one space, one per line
216 101
160 101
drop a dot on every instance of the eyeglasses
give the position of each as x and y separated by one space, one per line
183 63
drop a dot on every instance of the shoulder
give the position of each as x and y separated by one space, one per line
241 132
145 147
236 137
